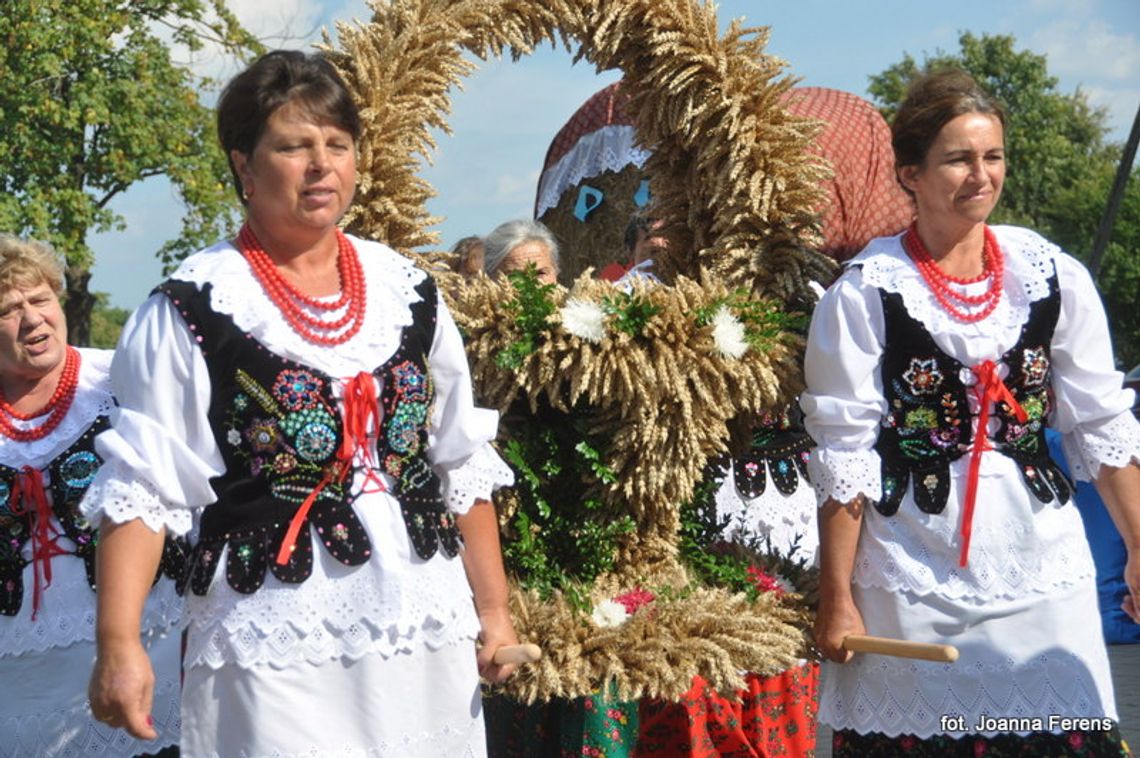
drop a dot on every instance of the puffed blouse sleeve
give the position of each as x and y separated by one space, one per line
844 402
159 454
1093 410
459 444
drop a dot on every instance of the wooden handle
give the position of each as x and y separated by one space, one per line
526 653
925 651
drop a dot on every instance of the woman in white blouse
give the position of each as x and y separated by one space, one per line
299 400
933 365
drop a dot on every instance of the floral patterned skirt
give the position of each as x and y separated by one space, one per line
847 743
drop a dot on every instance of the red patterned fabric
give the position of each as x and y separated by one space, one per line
773 716
606 107
864 199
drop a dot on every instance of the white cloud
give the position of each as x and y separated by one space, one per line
1088 48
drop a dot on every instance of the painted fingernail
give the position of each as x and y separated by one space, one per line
149 720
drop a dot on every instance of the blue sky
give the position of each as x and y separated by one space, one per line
507 113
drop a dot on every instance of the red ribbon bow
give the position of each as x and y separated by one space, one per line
28 497
990 389
360 406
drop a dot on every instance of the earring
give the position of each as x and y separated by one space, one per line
246 193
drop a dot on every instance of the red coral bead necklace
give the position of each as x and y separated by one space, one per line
292 302
939 282
55 410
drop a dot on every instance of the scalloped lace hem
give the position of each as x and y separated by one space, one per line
920 695
38 735
1115 443
482 473
843 475
214 646
163 611
122 496
1012 582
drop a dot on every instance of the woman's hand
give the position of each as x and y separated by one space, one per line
122 688
833 622
1131 604
497 630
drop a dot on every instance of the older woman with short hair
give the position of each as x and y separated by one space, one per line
54 399
516 245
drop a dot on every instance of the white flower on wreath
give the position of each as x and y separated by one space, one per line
584 319
609 613
728 333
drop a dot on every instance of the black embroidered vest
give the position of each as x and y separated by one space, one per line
71 473
781 446
278 429
928 421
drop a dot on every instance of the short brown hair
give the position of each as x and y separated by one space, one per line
271 81
933 100
29 263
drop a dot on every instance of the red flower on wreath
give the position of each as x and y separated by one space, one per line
765 582
634 599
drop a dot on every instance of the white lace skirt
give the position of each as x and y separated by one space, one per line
422 704
1022 658
44 711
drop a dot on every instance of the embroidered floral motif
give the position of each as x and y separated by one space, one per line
241 402
946 437
923 376
78 471
297 389
411 384
1035 365
1034 407
263 435
316 442
921 418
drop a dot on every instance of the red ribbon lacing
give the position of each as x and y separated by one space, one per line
360 407
989 390
28 496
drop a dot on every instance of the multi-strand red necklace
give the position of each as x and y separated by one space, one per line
292 302
55 410
939 282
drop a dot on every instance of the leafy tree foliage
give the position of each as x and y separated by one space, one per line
107 322
91 102
1059 166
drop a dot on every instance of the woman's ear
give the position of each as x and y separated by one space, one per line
240 162
907 176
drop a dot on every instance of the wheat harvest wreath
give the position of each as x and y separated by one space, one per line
613 401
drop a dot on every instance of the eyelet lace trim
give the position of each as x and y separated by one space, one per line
1115 443
482 473
1028 261
920 694
906 556
68 615
610 148
284 624
122 495
391 281
785 520
843 475
37 736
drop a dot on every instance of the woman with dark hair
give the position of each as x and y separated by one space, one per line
933 366
54 399
300 400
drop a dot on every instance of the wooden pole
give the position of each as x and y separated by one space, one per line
925 651
1123 171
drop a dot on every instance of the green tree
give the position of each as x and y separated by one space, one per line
91 102
1059 165
106 322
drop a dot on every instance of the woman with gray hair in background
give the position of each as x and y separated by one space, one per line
514 245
